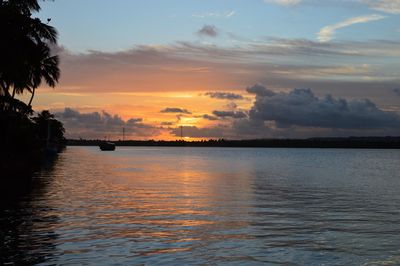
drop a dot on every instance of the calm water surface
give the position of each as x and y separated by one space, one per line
222 206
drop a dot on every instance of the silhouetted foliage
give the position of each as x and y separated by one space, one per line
25 52
25 62
24 140
47 125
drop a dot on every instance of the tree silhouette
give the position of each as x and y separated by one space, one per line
44 66
47 124
25 52
26 61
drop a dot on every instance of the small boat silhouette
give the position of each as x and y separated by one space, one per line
107 146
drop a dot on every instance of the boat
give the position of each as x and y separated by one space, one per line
107 146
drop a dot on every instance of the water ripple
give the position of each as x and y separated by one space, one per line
209 206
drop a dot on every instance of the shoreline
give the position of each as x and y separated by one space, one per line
333 143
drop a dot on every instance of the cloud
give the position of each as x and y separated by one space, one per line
300 107
175 110
294 114
134 120
299 113
166 123
284 2
260 90
209 117
397 91
101 124
326 34
230 14
225 14
388 6
225 95
161 68
208 31
231 114
344 68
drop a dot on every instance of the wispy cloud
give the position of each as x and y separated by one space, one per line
327 33
284 2
170 68
230 114
175 110
230 14
388 6
225 95
225 14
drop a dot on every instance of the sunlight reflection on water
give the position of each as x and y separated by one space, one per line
210 206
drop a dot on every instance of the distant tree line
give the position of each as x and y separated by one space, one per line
350 142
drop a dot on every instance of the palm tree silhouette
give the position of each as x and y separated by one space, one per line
46 123
25 50
43 67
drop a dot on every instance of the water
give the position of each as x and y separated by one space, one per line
225 206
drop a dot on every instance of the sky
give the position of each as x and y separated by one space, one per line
232 69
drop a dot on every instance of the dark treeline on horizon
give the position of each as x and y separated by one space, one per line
349 142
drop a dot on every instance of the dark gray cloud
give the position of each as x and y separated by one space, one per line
208 31
301 107
209 117
101 124
175 110
260 91
134 120
95 119
225 95
230 114
167 123
397 91
301 114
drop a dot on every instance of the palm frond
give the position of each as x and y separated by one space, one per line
43 32
25 6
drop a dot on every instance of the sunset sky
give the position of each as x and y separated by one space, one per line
225 68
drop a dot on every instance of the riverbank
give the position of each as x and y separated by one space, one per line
26 142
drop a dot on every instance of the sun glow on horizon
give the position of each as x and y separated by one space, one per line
155 72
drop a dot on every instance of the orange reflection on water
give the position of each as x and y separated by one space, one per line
169 202
184 206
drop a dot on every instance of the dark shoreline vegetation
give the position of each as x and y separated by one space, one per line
27 144
27 139
349 143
